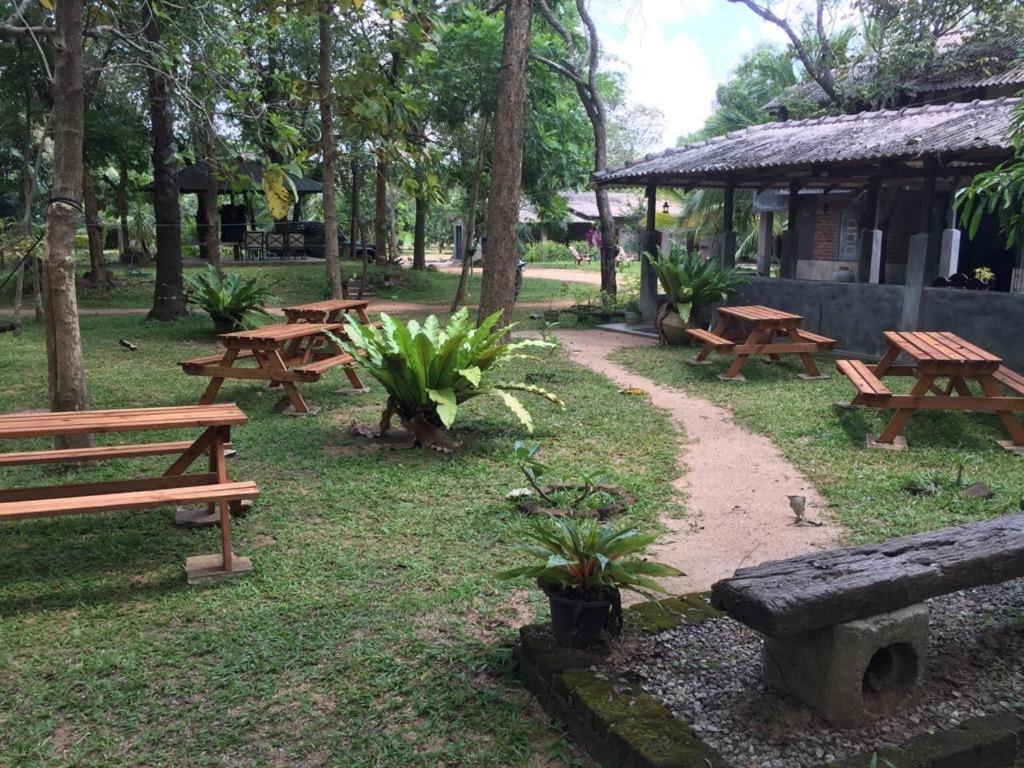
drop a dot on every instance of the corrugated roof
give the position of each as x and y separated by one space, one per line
906 134
960 64
193 178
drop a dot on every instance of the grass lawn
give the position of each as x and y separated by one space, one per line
864 487
296 283
372 632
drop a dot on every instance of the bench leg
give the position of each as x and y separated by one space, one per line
990 387
741 360
353 378
214 386
902 416
221 466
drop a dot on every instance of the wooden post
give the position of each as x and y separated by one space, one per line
730 197
765 241
928 195
648 274
790 239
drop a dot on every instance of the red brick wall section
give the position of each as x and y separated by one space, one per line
826 226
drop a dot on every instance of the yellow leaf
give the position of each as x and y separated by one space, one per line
635 391
47 4
279 198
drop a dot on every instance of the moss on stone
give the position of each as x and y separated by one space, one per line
651 618
641 724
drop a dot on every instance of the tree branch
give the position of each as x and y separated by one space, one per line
561 69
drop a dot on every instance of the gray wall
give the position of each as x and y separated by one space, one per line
856 314
993 321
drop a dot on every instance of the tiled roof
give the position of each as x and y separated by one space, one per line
906 134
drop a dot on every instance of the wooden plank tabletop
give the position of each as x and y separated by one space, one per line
330 305
942 348
756 313
272 336
20 425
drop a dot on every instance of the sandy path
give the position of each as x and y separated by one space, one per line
544 273
735 482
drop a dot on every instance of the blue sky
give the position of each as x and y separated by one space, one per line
674 52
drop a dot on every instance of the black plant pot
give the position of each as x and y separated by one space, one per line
222 324
578 623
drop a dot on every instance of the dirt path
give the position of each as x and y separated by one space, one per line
544 273
735 482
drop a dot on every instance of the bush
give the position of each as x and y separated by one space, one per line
547 251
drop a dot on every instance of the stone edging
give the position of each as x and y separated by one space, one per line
622 725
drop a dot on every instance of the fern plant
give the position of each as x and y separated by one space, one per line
693 283
429 371
226 296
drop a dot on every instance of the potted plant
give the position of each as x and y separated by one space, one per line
429 371
582 567
629 300
692 284
226 297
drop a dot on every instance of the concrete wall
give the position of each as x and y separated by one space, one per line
993 321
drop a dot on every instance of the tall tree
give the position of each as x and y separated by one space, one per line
328 149
584 77
65 364
497 292
168 295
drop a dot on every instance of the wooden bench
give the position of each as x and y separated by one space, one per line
1009 379
707 337
211 488
832 618
314 369
823 341
862 376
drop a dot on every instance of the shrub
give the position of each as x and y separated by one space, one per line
693 283
547 251
429 371
226 296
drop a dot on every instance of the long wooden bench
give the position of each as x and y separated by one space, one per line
210 487
317 367
868 386
1010 379
844 624
824 341
709 338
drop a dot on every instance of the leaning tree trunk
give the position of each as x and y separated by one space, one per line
99 274
470 231
419 235
353 234
497 291
210 199
66 367
380 212
168 296
329 151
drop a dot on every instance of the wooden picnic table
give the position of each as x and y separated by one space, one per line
212 487
755 330
943 364
329 311
285 354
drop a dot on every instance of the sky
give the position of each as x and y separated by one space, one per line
675 52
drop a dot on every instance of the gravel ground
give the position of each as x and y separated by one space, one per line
709 675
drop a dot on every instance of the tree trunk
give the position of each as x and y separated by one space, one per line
99 274
353 233
497 291
380 213
419 237
210 199
393 253
168 299
19 290
365 275
66 367
470 230
333 265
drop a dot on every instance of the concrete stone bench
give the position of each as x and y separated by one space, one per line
846 630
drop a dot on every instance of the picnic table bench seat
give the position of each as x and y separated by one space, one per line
863 378
823 341
317 367
846 630
1010 379
712 339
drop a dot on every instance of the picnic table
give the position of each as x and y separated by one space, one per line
212 487
755 330
943 365
329 311
285 354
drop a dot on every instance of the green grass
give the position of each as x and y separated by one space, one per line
296 283
864 487
372 632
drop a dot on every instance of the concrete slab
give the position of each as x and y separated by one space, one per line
206 569
723 377
1008 445
290 411
647 331
695 361
899 444
195 517
819 377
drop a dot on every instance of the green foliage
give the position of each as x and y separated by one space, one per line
587 559
588 485
226 296
693 283
549 250
429 371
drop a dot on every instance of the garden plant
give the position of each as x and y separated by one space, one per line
226 296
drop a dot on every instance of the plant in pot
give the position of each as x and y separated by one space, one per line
582 566
629 300
589 495
692 284
429 371
226 297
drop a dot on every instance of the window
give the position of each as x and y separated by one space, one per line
846 248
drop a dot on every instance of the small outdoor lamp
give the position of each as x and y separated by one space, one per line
664 207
